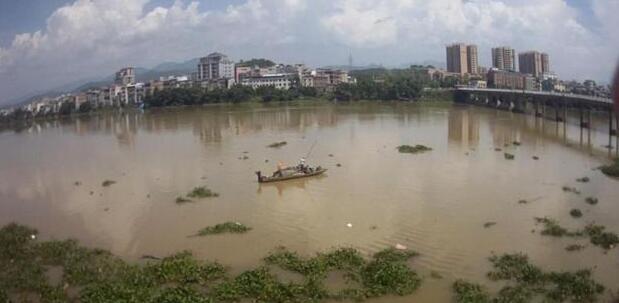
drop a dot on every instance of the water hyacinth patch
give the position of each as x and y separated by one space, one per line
611 170
509 156
227 227
408 149
107 183
576 213
202 192
591 200
277 144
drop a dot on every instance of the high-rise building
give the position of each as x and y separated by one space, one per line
456 58
125 76
504 58
534 63
545 63
215 66
462 58
471 59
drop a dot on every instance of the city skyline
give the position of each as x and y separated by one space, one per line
72 42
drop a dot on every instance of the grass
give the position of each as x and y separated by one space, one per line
107 183
94 275
408 149
509 156
611 170
227 227
202 192
277 144
576 213
524 282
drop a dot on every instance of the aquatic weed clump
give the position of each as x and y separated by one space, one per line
227 227
591 200
509 156
277 144
386 273
202 192
95 275
576 213
599 237
107 183
552 228
525 282
611 170
408 149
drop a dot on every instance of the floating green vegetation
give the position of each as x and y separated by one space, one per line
182 200
591 200
576 213
386 273
522 201
408 149
202 192
552 228
516 143
574 247
107 183
509 156
599 237
525 282
277 144
611 170
94 275
227 227
583 180
489 224
596 233
570 190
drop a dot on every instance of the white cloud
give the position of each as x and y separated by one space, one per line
91 38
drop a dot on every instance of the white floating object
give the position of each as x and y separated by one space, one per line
33 236
349 224
400 246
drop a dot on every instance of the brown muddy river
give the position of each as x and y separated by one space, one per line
435 203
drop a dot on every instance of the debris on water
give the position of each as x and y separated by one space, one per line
330 155
576 213
202 192
107 183
203 178
182 200
489 224
147 196
535 158
570 190
516 143
522 201
509 156
277 144
338 165
498 149
245 152
349 225
227 227
591 200
436 275
574 247
244 158
33 236
373 227
77 183
92 192
413 149
399 246
266 160
506 145
583 180
106 209
611 170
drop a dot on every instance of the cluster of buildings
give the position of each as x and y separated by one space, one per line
213 71
533 67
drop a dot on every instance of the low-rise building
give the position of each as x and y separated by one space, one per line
280 81
510 80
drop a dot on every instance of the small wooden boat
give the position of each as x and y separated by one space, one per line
289 173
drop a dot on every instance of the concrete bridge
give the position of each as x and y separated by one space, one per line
542 104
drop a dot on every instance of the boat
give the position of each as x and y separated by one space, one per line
292 172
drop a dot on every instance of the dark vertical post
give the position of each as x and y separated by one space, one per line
589 117
610 129
581 116
557 118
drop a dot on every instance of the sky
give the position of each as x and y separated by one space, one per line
48 43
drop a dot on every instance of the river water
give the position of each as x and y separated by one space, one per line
435 203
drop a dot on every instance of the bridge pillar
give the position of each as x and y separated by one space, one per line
557 116
583 123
